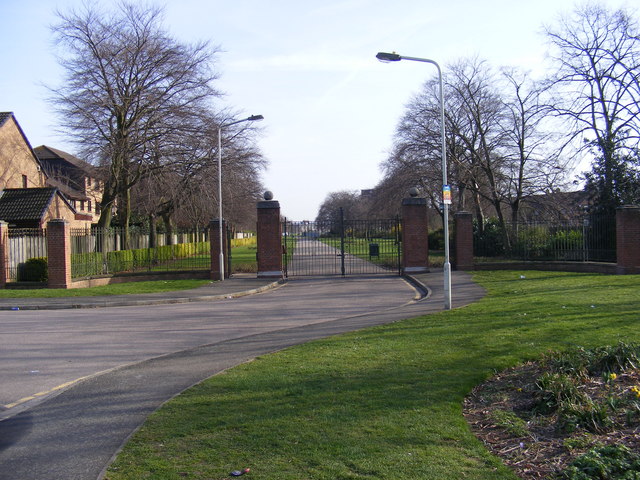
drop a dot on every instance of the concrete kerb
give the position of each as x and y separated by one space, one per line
177 297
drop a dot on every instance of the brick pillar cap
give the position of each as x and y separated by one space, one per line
414 201
462 214
269 204
216 221
629 207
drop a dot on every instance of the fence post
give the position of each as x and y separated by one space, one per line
59 253
464 241
269 230
4 253
214 237
415 234
628 239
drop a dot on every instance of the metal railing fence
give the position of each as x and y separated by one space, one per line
25 244
97 251
589 239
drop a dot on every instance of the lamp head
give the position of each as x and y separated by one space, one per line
253 118
388 57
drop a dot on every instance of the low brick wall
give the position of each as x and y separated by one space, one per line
580 267
139 277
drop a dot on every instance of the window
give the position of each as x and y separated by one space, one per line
24 181
89 206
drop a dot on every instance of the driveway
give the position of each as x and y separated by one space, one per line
77 383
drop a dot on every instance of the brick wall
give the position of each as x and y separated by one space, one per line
59 253
463 255
628 239
4 253
415 235
269 231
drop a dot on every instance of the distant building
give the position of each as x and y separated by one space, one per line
75 178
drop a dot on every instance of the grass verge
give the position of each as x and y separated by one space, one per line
155 286
380 403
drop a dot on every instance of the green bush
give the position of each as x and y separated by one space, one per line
613 462
556 389
34 270
596 361
436 239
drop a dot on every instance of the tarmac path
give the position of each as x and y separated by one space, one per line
77 383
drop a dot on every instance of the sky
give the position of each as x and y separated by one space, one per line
307 66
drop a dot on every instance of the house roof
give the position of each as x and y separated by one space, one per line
44 153
26 204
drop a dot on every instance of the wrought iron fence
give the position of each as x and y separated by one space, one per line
100 252
341 247
25 244
590 239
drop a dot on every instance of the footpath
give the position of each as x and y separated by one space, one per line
235 287
76 433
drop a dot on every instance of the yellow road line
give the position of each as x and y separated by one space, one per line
42 394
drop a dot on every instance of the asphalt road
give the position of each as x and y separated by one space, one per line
77 383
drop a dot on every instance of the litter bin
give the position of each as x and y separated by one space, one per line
374 250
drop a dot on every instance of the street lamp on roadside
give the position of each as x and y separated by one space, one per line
446 191
252 118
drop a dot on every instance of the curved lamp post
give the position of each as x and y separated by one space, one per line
394 57
252 118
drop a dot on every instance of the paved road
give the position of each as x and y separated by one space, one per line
313 257
152 353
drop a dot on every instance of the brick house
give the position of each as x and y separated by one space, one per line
75 178
19 166
28 196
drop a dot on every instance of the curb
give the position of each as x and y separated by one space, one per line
103 303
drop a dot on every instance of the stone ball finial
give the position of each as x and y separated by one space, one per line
413 192
268 195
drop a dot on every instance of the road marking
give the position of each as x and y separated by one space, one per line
42 394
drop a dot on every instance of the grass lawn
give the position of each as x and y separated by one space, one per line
243 259
380 403
154 286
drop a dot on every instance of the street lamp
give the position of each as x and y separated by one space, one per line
252 118
446 191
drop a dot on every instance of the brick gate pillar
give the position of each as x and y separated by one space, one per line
269 231
4 253
628 239
415 234
214 243
59 253
464 241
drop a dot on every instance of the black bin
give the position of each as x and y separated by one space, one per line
374 250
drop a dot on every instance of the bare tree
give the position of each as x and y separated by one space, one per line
128 86
498 146
597 80
534 164
185 191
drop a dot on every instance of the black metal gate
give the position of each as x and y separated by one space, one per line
341 247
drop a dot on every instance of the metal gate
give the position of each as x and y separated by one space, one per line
341 247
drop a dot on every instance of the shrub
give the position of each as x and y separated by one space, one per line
614 462
34 270
556 389
597 361
436 240
588 415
